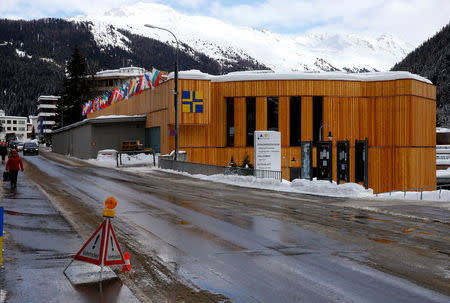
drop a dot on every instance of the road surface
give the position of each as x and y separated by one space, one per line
197 241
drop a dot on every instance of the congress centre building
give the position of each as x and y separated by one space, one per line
377 129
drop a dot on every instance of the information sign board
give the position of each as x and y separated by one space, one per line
267 150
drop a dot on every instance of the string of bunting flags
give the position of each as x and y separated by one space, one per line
133 87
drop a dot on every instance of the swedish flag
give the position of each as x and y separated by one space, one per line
192 102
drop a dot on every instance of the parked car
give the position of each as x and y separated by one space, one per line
30 149
20 146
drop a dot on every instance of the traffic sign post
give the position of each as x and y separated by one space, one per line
102 248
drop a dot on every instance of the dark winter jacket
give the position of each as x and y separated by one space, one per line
13 162
3 150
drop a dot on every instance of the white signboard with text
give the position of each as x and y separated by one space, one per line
267 150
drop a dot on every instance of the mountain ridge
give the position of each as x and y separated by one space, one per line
281 53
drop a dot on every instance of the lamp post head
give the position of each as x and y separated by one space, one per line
293 159
330 137
149 25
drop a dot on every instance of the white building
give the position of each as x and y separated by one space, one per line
33 121
47 112
13 125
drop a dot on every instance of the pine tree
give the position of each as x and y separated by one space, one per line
33 133
77 89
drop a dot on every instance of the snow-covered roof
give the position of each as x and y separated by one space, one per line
103 119
121 72
270 75
49 97
442 130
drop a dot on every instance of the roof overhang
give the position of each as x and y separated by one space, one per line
103 120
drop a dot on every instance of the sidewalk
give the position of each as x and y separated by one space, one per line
38 244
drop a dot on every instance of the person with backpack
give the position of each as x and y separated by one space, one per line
12 165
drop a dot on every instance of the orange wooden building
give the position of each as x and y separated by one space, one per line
394 111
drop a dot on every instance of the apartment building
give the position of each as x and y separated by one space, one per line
13 124
47 116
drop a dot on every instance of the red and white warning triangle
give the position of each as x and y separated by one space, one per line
92 251
113 254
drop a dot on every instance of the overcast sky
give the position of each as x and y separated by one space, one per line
411 20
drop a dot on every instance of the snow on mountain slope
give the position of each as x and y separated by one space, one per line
223 41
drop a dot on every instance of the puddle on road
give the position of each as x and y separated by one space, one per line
110 291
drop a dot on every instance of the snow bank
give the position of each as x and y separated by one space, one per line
316 187
107 158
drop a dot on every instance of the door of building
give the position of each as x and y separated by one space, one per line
153 138
343 161
324 161
361 162
306 161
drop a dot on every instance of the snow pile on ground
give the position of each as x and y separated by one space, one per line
443 173
321 187
316 187
108 158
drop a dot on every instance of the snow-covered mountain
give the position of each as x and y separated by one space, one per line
225 42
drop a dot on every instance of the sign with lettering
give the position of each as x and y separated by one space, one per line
267 150
92 251
113 255
97 250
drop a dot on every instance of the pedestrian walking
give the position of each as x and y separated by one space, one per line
12 165
3 151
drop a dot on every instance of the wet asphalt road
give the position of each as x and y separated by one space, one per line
197 241
38 244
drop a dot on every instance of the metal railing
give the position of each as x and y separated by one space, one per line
418 189
206 169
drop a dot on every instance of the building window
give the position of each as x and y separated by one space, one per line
272 113
14 128
22 129
317 117
8 121
295 113
14 121
21 122
8 128
3 121
251 119
230 121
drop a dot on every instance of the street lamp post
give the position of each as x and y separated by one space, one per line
287 163
330 137
176 86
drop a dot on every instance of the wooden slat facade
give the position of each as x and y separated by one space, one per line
398 118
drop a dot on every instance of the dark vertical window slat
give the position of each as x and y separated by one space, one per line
251 119
230 121
272 113
295 125
317 117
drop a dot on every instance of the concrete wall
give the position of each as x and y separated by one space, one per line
109 136
75 141
84 141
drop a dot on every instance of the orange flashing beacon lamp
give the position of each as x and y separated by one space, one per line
110 204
